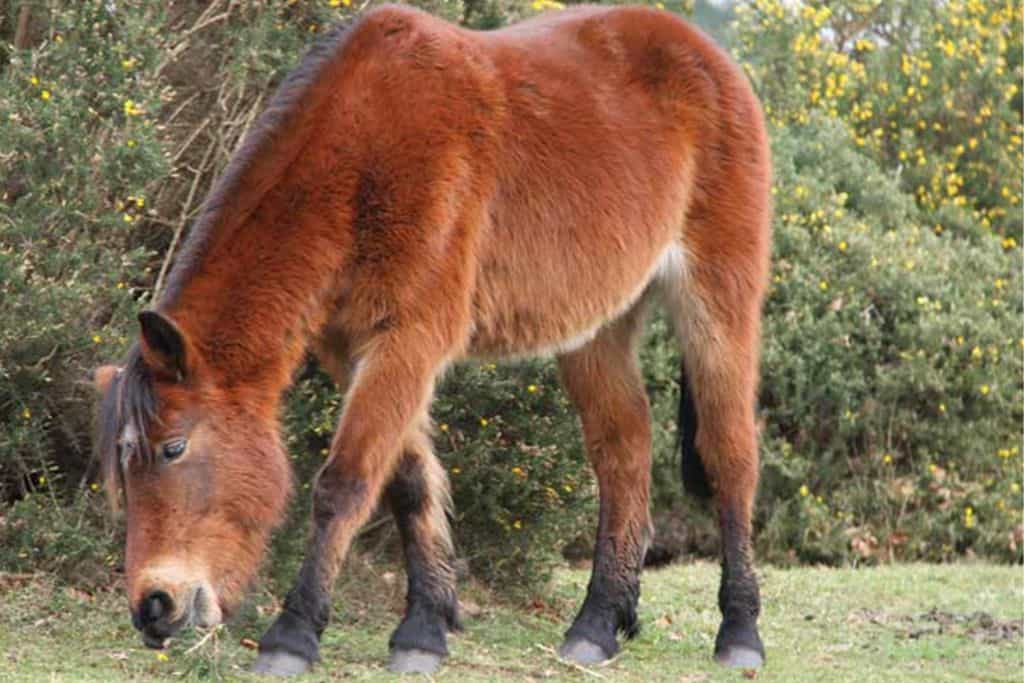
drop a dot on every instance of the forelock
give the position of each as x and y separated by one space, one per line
126 413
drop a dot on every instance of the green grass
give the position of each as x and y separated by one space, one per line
902 623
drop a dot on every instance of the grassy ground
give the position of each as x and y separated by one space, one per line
904 623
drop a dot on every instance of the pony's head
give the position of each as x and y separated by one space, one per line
202 473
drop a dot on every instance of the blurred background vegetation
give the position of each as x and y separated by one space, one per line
891 405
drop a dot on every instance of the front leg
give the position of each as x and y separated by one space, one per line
392 387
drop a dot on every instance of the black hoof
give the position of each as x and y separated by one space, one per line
413 661
582 651
280 663
739 646
740 657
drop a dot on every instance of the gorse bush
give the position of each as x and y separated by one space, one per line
892 368
80 156
891 395
929 89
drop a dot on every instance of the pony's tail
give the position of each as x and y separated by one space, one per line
695 477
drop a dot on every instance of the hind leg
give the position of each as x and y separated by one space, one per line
727 444
718 321
605 384
419 499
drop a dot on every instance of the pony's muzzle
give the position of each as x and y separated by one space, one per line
153 617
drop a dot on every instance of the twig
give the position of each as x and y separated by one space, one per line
180 108
24 22
189 140
202 641
7 578
202 22
579 667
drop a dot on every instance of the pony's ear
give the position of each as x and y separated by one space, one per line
103 376
163 345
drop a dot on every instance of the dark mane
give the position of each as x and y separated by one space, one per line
272 143
129 401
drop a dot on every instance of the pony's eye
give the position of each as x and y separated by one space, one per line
173 449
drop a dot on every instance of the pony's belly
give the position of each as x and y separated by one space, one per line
527 342
520 321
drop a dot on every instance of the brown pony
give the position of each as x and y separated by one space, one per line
416 194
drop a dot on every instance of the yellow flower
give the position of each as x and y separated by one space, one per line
976 352
483 422
127 218
45 95
42 480
26 413
942 408
127 64
532 388
94 486
517 524
984 389
443 427
969 517
804 491
456 470
568 489
96 339
887 459
34 80
842 245
130 109
823 285
161 657
140 202
518 471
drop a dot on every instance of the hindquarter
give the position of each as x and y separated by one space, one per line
597 163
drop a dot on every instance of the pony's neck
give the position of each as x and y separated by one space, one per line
251 283
253 300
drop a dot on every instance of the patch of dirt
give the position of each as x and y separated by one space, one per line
978 626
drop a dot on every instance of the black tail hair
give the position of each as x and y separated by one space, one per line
695 477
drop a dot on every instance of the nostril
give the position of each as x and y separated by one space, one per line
155 605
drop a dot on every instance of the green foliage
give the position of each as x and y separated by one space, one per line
81 152
75 541
892 369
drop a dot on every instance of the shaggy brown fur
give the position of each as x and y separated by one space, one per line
416 194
